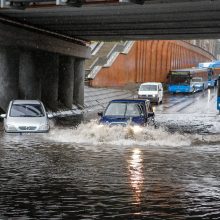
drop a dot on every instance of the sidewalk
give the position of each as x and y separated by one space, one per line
96 99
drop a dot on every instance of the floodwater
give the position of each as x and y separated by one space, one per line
99 172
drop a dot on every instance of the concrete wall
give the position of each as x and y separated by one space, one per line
9 63
31 74
30 66
50 80
78 94
66 80
150 60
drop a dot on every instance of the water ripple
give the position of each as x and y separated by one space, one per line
41 178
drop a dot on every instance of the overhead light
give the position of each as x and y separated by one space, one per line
73 3
140 2
14 4
18 5
22 4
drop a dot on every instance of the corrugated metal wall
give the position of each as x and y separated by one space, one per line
150 60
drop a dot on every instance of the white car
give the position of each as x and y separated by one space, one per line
152 91
26 116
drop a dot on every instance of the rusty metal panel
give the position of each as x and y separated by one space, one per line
149 60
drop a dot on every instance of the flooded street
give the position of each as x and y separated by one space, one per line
99 172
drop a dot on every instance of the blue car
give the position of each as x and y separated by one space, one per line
218 95
127 111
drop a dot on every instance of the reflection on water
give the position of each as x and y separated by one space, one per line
209 95
125 173
136 173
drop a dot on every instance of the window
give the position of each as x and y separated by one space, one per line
148 88
149 107
179 79
124 109
196 79
116 109
218 88
133 109
26 110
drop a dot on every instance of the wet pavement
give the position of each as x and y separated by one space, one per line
99 172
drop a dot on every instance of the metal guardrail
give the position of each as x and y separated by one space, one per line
94 71
96 48
109 59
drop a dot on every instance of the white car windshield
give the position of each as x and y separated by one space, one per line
26 110
148 88
124 109
196 80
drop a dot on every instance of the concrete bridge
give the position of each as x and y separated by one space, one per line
40 65
120 19
43 46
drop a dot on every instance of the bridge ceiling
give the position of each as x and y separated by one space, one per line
155 19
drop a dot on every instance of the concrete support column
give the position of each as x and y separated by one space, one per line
49 81
29 77
78 94
66 80
9 62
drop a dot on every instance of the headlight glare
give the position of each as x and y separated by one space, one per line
44 127
9 127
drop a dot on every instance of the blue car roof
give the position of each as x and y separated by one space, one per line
130 100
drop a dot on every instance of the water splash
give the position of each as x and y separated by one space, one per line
96 134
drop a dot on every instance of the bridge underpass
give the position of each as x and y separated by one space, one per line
48 42
121 20
35 65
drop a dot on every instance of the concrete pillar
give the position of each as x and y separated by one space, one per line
49 80
29 77
66 80
9 63
78 94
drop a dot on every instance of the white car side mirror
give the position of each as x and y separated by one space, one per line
3 116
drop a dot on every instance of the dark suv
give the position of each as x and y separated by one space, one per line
124 111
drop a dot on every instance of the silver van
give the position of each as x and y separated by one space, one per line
26 116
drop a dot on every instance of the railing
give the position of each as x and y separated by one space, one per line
128 47
93 72
111 59
96 48
93 45
107 61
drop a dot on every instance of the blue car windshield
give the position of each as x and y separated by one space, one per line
124 109
26 110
